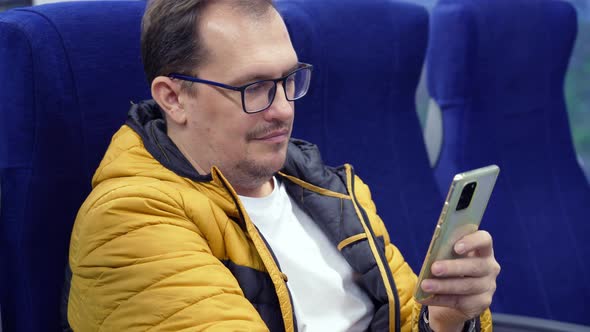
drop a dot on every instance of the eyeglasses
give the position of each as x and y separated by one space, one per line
258 96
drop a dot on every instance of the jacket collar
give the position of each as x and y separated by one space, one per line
147 120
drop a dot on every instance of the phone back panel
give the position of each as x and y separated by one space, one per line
454 224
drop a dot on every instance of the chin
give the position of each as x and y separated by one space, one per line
277 162
265 161
274 161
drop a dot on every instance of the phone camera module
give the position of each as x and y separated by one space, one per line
466 196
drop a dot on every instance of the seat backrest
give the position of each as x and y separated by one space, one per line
75 67
496 68
70 71
367 58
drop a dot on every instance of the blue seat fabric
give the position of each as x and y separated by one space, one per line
70 71
496 68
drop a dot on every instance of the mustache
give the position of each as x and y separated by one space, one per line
276 125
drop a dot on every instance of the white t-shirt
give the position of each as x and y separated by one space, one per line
322 283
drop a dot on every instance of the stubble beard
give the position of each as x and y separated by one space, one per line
251 174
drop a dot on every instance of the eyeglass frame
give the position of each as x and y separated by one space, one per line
241 89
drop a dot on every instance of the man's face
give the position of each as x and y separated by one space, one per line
246 147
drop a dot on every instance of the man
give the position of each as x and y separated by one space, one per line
206 215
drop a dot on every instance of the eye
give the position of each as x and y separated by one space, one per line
258 88
291 79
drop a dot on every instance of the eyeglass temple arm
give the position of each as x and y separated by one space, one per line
198 80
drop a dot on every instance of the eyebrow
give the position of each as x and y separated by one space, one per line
249 78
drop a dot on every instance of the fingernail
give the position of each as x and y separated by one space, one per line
437 269
427 285
460 248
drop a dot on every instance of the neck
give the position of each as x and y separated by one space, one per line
180 146
261 190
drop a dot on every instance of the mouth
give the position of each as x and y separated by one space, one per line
275 136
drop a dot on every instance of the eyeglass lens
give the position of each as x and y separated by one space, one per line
259 96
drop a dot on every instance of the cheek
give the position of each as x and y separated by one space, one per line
235 127
222 124
229 133
217 116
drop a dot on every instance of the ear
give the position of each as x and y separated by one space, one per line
166 93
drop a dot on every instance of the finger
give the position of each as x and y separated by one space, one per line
463 267
456 286
480 241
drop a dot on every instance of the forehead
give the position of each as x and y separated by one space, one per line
235 39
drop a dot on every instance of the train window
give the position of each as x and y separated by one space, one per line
7 4
577 86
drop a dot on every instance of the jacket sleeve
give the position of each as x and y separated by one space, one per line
405 278
140 262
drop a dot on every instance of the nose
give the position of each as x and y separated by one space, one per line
280 108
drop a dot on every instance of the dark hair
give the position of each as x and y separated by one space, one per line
170 36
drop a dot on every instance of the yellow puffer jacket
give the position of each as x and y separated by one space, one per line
157 246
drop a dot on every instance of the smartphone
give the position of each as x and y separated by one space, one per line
461 215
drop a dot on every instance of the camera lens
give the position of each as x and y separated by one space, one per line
466 196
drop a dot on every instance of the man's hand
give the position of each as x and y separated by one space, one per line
463 287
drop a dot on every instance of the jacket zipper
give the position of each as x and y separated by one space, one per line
253 232
388 278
